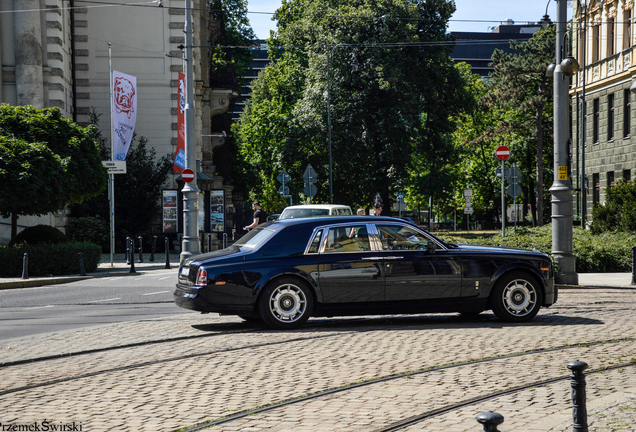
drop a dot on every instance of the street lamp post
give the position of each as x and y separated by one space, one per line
329 55
562 190
190 244
583 197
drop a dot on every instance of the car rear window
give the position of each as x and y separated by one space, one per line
254 238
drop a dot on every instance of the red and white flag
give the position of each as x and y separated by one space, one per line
124 112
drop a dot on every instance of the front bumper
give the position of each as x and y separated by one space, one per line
187 297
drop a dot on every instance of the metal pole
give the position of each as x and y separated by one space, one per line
579 408
514 193
633 265
111 176
190 243
503 201
562 190
583 122
329 122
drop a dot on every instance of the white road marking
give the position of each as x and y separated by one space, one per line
96 301
158 292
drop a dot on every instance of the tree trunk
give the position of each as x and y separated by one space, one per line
539 130
14 225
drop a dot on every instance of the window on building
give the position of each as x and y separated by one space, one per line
610 116
596 192
627 176
610 178
627 29
596 117
627 113
596 43
611 36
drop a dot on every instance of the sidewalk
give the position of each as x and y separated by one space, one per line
104 268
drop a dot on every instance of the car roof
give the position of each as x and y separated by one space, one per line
317 206
331 220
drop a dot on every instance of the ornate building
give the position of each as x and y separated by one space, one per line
603 42
55 53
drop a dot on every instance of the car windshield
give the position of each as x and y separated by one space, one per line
303 213
254 238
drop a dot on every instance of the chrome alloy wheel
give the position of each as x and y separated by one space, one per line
519 297
288 303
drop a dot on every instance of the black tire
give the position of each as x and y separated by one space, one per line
517 297
286 303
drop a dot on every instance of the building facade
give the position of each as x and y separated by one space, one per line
55 53
602 140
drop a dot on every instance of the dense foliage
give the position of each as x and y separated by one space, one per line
618 213
89 230
607 252
137 193
46 162
39 234
384 68
50 259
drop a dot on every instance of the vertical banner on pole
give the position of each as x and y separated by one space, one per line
124 112
179 157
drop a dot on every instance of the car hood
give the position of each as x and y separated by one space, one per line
496 249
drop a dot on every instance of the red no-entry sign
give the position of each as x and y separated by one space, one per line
187 175
502 153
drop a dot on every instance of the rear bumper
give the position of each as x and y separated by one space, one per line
190 298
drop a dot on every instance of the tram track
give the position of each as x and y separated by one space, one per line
403 375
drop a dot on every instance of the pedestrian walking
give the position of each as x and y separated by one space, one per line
259 216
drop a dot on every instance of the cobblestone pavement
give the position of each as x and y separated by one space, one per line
230 367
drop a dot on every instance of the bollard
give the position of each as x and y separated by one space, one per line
224 240
490 420
25 266
209 243
152 251
132 255
81 260
127 250
167 249
141 249
577 381
633 265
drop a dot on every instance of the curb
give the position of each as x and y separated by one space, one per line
32 283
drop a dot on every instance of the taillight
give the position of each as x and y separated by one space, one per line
202 277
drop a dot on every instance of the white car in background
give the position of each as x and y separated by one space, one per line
315 210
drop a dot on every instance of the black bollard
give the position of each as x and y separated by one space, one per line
81 260
579 409
127 250
167 249
25 266
490 420
141 249
152 251
209 243
633 265
224 240
132 255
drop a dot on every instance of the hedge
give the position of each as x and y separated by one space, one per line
51 259
593 253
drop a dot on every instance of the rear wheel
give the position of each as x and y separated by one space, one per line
286 303
517 297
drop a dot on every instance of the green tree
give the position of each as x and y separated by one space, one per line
521 87
46 162
386 68
618 213
137 193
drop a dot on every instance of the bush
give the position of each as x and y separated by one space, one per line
89 230
39 234
619 211
49 259
602 253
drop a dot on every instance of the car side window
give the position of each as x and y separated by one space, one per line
347 238
397 237
315 243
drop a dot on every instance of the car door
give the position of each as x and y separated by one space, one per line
412 270
349 271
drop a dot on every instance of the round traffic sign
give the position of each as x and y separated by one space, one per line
187 175
502 153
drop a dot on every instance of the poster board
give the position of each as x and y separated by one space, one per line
169 211
217 210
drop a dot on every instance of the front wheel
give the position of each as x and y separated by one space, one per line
286 304
517 297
